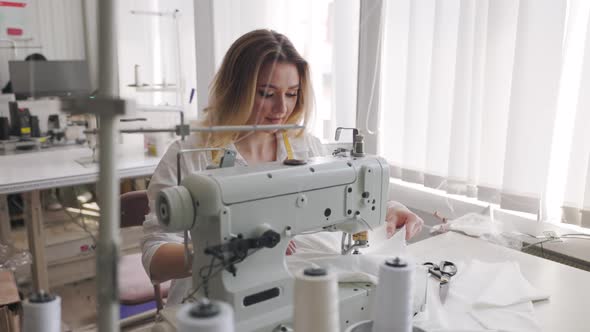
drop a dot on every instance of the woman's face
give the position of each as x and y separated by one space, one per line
276 94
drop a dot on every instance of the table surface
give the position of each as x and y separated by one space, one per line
58 168
567 308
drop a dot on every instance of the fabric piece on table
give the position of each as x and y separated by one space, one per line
483 297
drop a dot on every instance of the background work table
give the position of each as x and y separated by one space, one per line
29 173
59 168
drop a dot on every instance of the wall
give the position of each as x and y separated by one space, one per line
67 29
55 30
157 44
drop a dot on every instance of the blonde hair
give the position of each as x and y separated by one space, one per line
232 92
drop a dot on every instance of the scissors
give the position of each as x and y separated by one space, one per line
443 273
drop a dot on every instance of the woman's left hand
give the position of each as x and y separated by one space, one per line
398 216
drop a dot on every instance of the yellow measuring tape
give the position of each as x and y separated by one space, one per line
288 146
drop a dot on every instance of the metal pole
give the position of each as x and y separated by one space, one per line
108 243
107 49
108 182
204 129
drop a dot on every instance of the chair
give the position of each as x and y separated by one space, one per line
135 287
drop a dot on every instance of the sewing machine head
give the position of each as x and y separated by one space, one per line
241 220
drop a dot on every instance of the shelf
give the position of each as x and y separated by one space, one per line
154 87
159 108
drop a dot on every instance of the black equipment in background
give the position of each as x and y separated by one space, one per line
53 122
4 128
54 129
61 78
20 118
35 130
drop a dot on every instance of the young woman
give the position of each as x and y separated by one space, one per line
262 80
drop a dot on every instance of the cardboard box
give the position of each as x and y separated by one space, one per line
10 306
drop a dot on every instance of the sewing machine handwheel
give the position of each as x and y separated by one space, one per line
270 239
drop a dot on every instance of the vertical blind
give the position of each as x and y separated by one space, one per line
577 182
473 100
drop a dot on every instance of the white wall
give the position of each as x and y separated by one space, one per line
158 44
59 27
55 26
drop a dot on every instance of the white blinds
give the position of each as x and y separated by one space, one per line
577 187
500 41
469 95
420 40
535 84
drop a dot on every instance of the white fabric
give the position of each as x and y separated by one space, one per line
303 147
483 297
472 224
323 250
507 288
483 226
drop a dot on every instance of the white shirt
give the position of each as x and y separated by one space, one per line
303 147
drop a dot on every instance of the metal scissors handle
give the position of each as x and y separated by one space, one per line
443 271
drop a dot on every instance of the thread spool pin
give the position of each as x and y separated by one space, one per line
205 316
41 297
315 272
204 309
396 262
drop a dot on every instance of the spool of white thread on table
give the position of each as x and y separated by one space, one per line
42 312
316 301
394 295
206 316
138 81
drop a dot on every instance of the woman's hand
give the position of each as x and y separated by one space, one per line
397 216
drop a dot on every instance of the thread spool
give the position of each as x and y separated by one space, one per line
316 301
358 146
42 312
206 316
393 307
137 75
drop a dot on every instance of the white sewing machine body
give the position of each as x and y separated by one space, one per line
346 194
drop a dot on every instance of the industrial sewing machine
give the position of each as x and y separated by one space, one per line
241 220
